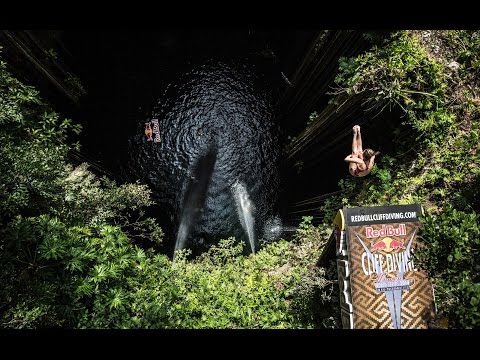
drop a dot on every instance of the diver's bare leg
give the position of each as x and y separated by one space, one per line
363 166
359 143
354 141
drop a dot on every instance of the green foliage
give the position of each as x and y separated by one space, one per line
465 45
311 118
92 201
440 116
75 85
51 53
81 277
33 149
375 37
68 256
316 295
275 288
400 73
451 256
67 259
436 158
62 263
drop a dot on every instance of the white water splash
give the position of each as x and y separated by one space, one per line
245 210
181 235
273 229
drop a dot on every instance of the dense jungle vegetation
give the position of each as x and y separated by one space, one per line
433 77
72 244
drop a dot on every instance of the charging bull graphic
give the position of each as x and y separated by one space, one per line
387 244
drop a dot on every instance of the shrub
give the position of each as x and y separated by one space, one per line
451 255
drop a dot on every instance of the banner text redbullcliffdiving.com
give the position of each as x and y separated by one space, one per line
385 216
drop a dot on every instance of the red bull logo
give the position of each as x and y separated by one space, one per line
386 245
149 131
386 230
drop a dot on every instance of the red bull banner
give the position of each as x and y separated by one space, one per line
380 285
152 134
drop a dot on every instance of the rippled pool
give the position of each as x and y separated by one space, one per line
215 129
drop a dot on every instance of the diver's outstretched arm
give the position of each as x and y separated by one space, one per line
352 159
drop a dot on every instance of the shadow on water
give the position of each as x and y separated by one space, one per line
216 129
195 195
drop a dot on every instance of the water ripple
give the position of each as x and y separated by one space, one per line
224 105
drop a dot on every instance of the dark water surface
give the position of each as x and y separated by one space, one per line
217 128
215 95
